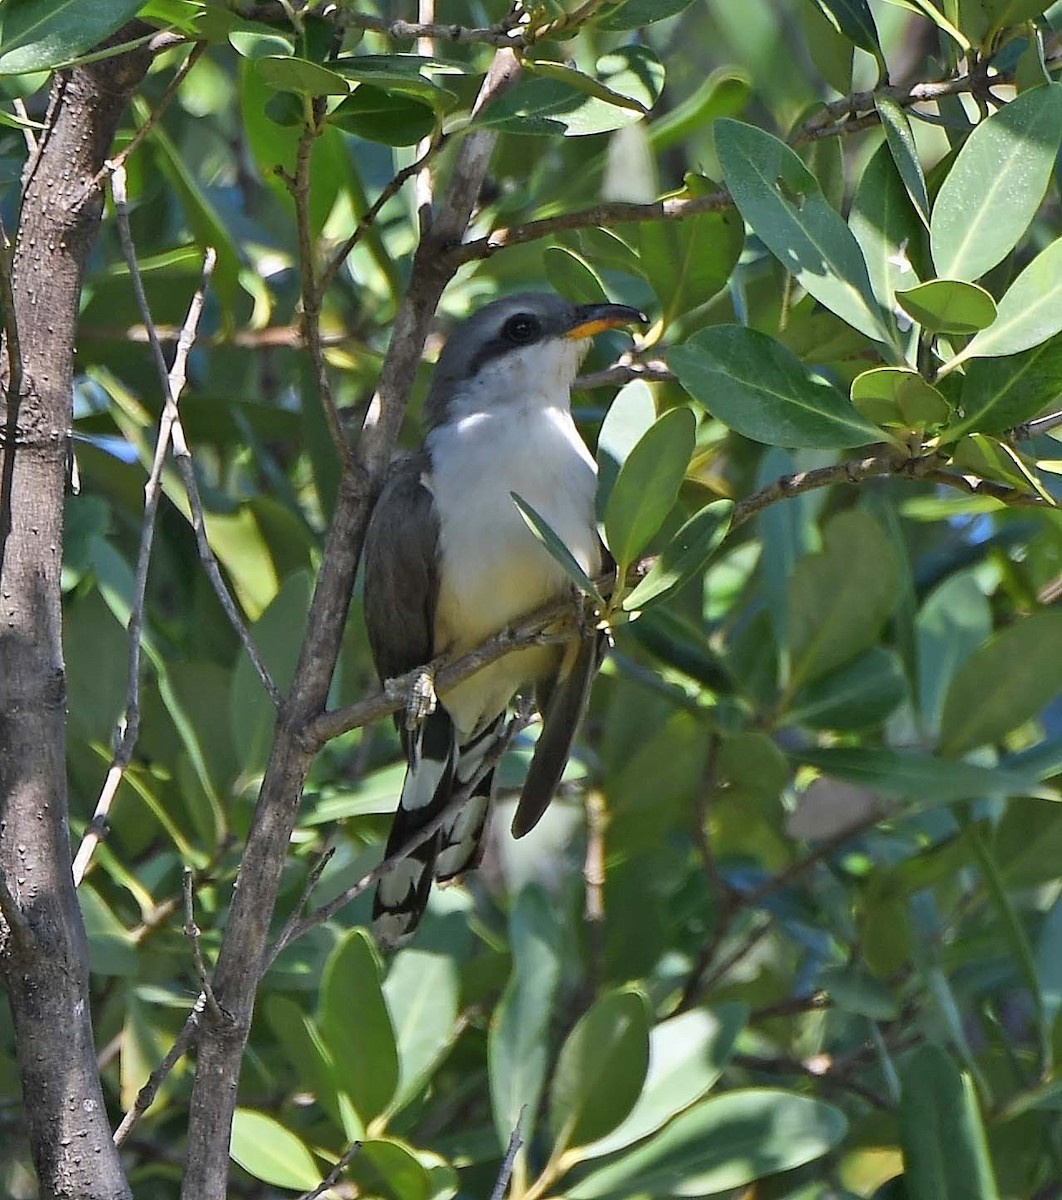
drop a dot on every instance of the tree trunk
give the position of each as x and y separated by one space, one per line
43 951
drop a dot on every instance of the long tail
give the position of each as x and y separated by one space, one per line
438 767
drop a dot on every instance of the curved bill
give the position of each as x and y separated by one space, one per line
593 318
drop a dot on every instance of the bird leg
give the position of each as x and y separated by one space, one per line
421 700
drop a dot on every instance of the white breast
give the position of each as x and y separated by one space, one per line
493 569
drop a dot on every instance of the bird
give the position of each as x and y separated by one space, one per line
450 561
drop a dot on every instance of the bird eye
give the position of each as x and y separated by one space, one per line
521 329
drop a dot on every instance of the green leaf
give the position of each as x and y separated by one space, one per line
1029 313
562 73
403 74
356 1027
571 275
901 143
539 105
687 1055
300 75
840 599
898 396
268 1151
628 419
556 547
949 306
252 40
1009 679
379 116
421 991
992 458
782 201
518 1046
298 1035
831 52
634 14
111 950
853 18
999 393
755 385
952 622
1049 963
723 94
920 777
648 483
884 224
726 1142
945 1151
857 696
855 991
687 262
36 35
600 1069
683 557
396 1165
996 184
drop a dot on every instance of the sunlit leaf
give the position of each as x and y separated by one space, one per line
268 1151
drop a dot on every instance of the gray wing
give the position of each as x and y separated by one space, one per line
568 697
401 571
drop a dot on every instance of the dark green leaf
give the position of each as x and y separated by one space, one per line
290 74
920 777
954 620
629 417
600 1069
379 116
949 306
1005 683
723 94
840 599
396 1166
571 275
36 35
885 226
560 552
944 1147
268 1151
782 201
854 19
831 52
648 483
996 184
687 1055
634 14
355 1025
687 262
421 991
904 153
684 556
999 393
517 1048
756 386
857 696
726 1142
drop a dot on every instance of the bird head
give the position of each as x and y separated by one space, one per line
523 346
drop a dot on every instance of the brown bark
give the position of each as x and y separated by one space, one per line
43 951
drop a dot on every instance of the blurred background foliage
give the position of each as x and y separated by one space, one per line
793 928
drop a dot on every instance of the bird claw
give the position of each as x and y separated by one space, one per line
421 700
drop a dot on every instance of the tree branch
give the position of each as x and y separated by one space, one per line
123 755
243 946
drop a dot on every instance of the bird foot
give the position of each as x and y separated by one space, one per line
421 700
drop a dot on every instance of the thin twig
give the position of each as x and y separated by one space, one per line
594 880
312 292
181 452
819 1068
298 925
623 372
501 34
333 1176
146 1096
511 1151
430 145
179 76
191 932
175 380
